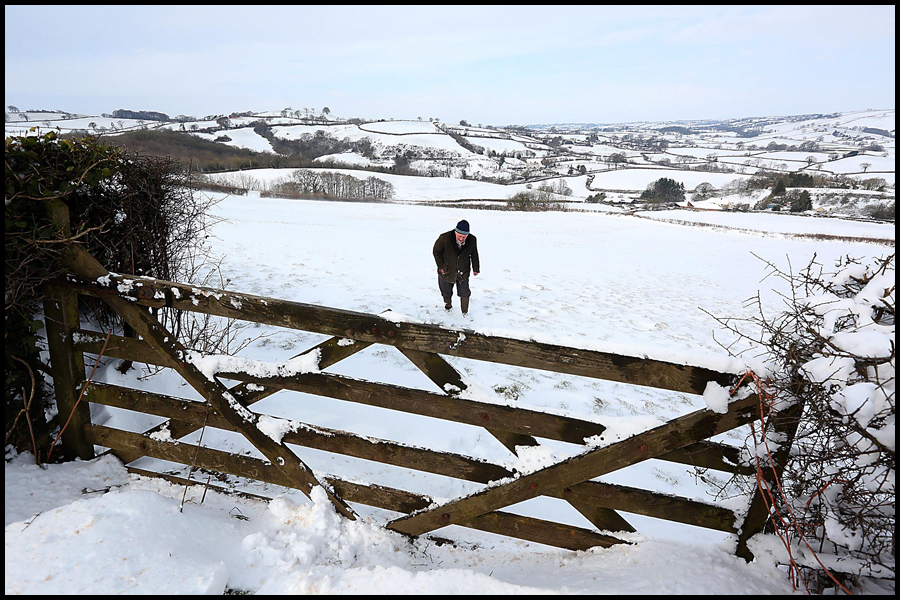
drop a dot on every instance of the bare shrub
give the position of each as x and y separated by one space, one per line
833 350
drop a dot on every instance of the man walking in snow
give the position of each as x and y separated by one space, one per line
454 252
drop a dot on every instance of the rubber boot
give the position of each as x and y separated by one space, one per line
448 303
464 304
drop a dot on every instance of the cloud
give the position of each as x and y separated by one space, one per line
477 62
782 26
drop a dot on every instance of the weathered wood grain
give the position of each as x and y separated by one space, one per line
785 425
439 406
654 504
67 364
61 320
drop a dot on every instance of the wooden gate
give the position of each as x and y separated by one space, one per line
682 440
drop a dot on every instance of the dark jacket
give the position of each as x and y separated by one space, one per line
454 260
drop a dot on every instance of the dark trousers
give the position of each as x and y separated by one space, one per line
462 288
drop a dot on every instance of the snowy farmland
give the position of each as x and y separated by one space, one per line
857 145
598 281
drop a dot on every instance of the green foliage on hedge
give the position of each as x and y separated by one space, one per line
39 168
134 214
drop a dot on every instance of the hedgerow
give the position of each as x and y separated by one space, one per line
135 214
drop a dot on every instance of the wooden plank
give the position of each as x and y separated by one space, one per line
650 444
540 531
122 347
785 425
212 390
185 481
535 530
439 406
655 504
415 336
705 454
61 320
711 455
601 517
67 366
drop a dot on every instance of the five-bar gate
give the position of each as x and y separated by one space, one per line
681 440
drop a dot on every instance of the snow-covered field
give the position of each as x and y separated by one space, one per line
407 188
779 223
134 540
591 280
638 179
841 146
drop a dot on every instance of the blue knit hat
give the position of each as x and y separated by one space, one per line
462 227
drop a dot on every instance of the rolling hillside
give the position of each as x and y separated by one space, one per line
846 160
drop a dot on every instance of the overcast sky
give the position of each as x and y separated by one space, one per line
486 64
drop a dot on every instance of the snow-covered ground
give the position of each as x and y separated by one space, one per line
638 179
243 137
591 280
779 223
134 540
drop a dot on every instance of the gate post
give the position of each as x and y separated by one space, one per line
784 423
61 320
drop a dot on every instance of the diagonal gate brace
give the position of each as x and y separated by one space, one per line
330 352
212 390
675 434
448 379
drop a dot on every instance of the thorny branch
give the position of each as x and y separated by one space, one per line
837 489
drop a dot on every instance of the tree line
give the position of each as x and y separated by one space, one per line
309 183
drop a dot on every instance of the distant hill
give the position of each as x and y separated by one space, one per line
851 152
